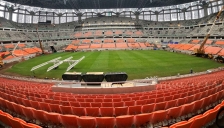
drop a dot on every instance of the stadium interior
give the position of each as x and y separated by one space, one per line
30 28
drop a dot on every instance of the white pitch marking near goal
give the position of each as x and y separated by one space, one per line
75 63
57 63
45 63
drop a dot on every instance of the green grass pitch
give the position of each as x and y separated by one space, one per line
137 64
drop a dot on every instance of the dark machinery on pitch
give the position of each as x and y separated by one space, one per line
3 56
201 51
40 43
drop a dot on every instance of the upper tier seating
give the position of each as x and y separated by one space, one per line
142 45
212 50
219 42
20 53
9 46
108 45
95 46
221 53
108 41
195 41
86 41
120 41
71 47
30 50
197 46
75 42
133 45
121 45
83 46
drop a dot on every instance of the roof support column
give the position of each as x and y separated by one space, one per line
157 15
11 10
137 15
79 17
205 7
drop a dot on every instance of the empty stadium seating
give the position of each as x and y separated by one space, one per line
173 100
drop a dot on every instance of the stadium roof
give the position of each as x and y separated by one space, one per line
98 4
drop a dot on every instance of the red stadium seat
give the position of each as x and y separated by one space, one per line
160 106
69 121
44 106
133 110
119 111
158 117
126 121
187 110
182 124
66 109
107 104
85 104
40 116
197 121
107 100
78 111
74 104
118 104
148 108
35 104
29 125
105 122
55 108
16 122
174 113
170 104
52 119
116 99
129 103
107 111
86 122
92 111
27 112
142 120
98 104
140 102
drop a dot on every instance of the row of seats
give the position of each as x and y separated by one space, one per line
202 120
217 81
108 33
106 40
153 118
106 45
132 108
178 99
14 122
